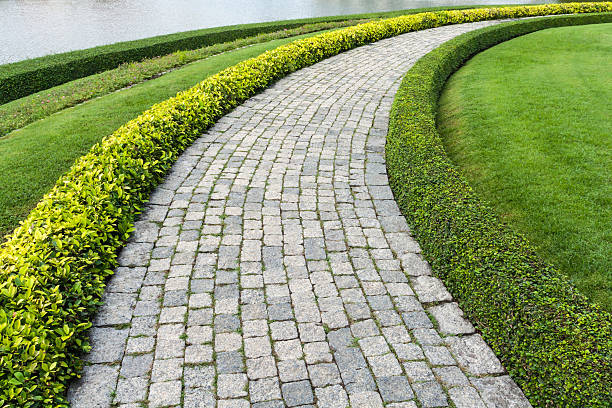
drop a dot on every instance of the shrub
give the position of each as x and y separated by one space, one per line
18 113
556 344
23 78
55 263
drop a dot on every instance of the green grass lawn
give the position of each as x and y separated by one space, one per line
528 122
19 113
33 158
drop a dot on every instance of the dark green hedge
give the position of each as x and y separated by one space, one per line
556 344
23 78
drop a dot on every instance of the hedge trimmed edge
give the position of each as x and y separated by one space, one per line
555 344
24 78
54 265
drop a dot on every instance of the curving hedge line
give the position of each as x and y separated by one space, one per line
23 78
55 263
556 344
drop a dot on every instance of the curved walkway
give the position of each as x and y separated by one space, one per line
273 268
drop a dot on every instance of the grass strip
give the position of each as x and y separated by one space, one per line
20 112
26 77
529 127
554 342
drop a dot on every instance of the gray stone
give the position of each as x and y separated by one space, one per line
228 342
292 370
332 397
465 397
427 337
408 351
135 254
201 398
231 385
474 355
385 366
257 347
297 393
200 377
288 349
451 376
264 389
450 319
394 389
500 392
226 323
283 330
94 389
198 354
136 366
430 289
131 390
416 320
108 344
373 346
418 371
438 355
324 374
167 370
280 311
317 352
430 394
116 309
366 399
165 393
261 367
138 345
229 362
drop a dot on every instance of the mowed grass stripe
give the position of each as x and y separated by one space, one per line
33 158
528 123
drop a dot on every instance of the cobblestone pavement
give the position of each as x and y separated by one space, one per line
273 268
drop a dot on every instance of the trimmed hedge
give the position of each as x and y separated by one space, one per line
23 78
55 263
17 114
556 344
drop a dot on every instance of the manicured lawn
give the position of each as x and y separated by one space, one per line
21 112
528 123
32 159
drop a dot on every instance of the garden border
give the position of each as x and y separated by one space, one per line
555 344
55 263
23 78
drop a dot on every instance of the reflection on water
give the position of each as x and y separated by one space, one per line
32 28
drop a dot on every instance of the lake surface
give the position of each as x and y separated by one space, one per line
33 28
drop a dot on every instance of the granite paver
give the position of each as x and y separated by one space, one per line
273 268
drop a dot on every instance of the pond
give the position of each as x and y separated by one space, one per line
33 28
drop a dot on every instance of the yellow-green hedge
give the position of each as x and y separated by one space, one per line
55 264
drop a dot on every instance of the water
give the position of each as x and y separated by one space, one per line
33 28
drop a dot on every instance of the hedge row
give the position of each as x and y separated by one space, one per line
23 78
55 263
556 344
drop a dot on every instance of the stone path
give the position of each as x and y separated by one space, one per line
273 268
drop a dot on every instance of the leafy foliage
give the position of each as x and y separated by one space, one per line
556 344
24 78
55 263
20 112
